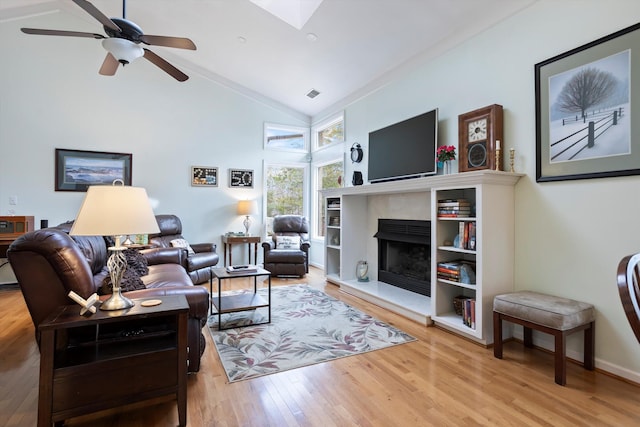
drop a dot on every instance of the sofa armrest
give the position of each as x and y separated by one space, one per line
268 245
165 256
202 260
304 246
203 247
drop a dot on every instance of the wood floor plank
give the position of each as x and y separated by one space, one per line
441 379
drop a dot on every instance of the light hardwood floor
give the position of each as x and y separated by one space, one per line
439 380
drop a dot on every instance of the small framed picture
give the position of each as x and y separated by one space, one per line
204 176
240 178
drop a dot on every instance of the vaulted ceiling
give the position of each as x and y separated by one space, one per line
344 50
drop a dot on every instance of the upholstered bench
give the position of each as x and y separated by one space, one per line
550 314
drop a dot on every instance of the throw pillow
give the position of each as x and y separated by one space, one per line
136 266
287 242
182 243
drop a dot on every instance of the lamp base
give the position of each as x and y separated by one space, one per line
247 224
117 301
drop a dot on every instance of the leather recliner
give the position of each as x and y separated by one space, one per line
48 263
288 261
197 264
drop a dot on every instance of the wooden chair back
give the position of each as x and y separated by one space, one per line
628 278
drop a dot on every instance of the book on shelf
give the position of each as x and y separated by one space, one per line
469 312
466 238
242 269
453 203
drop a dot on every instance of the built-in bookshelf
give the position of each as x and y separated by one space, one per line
333 236
483 225
472 255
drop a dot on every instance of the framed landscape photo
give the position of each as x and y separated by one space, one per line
587 112
240 178
204 176
76 170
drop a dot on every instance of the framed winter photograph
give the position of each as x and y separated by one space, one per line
587 114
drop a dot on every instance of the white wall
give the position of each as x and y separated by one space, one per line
570 235
51 96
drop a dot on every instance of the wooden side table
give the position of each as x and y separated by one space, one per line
229 241
112 358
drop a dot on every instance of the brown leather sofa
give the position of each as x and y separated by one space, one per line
289 261
198 264
49 263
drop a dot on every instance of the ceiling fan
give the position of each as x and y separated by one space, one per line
123 41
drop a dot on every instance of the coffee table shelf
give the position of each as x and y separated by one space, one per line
242 301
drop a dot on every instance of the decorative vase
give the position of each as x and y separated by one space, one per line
446 168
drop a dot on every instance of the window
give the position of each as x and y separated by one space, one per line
285 137
328 165
285 190
329 132
327 176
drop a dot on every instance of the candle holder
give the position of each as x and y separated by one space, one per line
512 155
498 159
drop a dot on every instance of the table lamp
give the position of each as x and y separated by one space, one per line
247 208
115 210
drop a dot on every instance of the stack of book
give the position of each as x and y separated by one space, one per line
454 208
452 271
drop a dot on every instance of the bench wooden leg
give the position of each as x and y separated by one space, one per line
560 358
527 336
589 347
497 335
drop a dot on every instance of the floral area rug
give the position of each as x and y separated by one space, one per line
307 327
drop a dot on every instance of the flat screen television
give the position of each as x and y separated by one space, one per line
404 150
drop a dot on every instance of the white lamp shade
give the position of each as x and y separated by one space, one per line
247 207
114 210
123 49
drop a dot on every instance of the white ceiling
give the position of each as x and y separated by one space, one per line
360 43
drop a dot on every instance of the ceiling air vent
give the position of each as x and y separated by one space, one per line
313 93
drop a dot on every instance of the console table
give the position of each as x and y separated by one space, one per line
229 241
112 358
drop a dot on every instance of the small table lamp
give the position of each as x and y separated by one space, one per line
247 208
115 210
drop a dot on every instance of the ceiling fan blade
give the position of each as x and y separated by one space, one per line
165 66
109 66
178 42
61 33
93 11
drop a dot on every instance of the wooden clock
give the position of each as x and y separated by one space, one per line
478 132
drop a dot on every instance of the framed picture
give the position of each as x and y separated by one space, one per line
587 117
286 138
76 170
240 178
204 176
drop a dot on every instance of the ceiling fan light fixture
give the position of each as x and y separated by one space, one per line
125 51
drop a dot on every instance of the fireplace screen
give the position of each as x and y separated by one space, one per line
404 254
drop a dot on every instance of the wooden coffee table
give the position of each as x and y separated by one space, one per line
243 301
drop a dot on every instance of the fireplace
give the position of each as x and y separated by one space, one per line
404 254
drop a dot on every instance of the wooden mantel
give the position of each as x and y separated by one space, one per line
427 183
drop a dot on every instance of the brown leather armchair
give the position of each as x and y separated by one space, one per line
198 263
49 263
282 258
